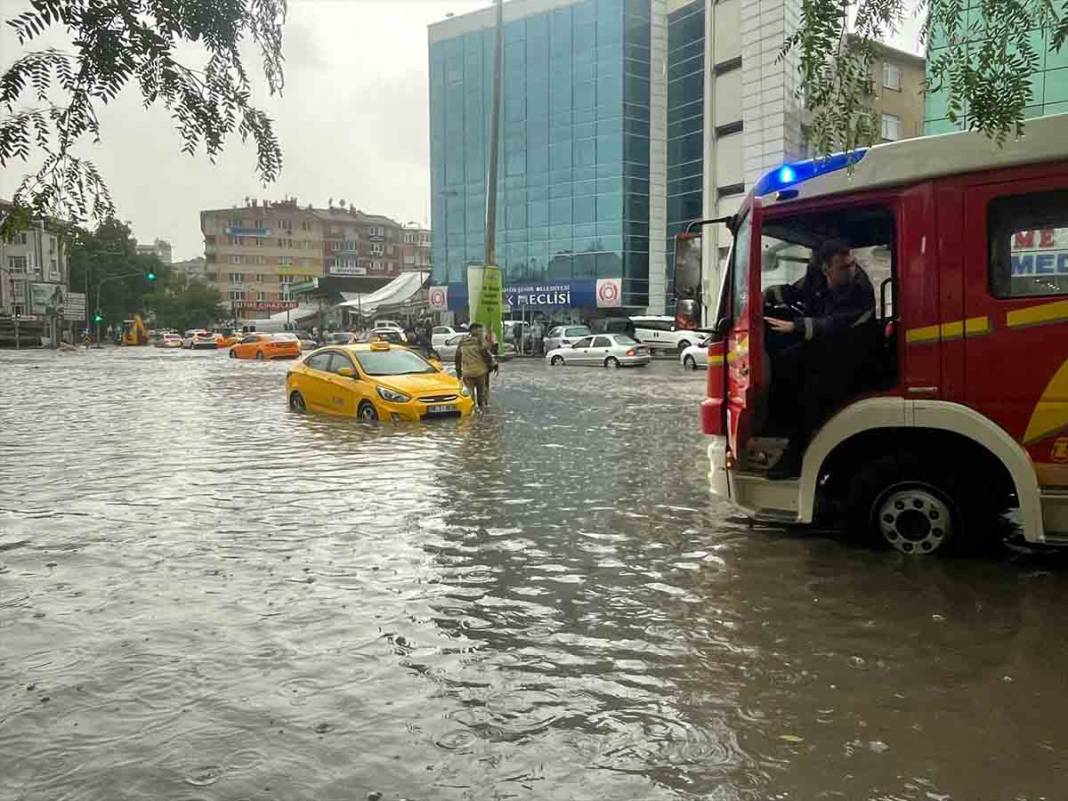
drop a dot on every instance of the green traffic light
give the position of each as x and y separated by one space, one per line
98 318
151 276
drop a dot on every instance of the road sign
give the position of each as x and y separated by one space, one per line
74 309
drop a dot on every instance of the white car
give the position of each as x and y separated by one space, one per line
447 349
388 324
603 350
440 334
695 357
661 333
199 339
563 336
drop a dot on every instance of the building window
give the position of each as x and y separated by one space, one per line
376 230
235 259
891 76
1028 244
377 249
237 294
304 226
236 278
260 278
891 127
285 260
285 279
16 264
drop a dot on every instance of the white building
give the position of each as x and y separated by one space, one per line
33 283
159 248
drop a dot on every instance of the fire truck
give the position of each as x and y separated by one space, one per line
958 419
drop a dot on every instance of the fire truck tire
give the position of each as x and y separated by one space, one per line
917 507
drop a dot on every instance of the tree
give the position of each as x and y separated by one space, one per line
109 252
117 42
982 62
185 303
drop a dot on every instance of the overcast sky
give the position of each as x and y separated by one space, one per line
352 123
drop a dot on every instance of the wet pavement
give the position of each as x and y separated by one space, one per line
206 596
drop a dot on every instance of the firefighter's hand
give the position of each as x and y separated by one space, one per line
496 369
781 326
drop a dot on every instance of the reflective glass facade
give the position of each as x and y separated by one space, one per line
1049 84
573 198
685 122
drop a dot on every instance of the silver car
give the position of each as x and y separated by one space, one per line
603 350
563 336
447 349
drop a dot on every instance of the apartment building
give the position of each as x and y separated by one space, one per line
355 243
895 92
160 248
34 284
417 249
253 252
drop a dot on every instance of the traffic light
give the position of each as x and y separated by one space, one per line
151 276
98 318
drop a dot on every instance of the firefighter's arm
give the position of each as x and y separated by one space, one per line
849 316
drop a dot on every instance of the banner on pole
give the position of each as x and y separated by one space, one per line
485 298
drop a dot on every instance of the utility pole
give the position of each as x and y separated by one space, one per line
495 137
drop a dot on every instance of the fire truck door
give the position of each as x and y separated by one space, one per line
1015 325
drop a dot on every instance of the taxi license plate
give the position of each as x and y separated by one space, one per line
439 409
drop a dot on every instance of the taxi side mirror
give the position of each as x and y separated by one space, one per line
346 372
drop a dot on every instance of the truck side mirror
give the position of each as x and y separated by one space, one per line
688 277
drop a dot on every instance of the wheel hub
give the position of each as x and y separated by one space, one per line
914 520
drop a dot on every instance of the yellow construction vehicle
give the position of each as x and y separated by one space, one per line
133 331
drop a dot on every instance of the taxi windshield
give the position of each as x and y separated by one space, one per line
392 362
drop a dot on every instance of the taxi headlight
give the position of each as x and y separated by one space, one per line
393 395
464 390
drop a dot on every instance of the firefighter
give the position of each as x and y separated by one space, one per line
825 348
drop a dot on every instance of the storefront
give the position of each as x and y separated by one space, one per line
564 301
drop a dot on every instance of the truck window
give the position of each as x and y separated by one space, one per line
789 247
1028 244
740 267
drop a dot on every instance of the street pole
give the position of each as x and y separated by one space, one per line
495 136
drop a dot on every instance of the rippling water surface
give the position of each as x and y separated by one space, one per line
205 596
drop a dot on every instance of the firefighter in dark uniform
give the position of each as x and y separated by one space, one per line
819 356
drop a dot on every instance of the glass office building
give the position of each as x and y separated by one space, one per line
623 120
573 197
1049 84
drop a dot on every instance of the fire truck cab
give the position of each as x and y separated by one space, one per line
958 410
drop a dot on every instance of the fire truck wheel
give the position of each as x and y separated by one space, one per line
917 508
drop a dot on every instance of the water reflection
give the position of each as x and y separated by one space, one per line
203 595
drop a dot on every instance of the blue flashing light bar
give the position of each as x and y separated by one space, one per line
801 171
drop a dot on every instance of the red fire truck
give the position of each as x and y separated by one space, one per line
961 412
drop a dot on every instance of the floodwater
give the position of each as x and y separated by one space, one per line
206 596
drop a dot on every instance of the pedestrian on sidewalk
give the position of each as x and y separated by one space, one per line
474 363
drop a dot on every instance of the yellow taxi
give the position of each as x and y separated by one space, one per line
375 381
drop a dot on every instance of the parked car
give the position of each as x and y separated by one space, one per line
442 333
392 335
389 324
375 381
695 357
307 341
605 350
562 336
262 346
447 349
661 333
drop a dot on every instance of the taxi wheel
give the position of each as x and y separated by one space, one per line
259 355
296 402
367 412
611 361
233 355
556 361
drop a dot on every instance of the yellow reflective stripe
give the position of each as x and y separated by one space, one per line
715 361
972 327
1043 314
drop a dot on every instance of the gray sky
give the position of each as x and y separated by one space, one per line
352 123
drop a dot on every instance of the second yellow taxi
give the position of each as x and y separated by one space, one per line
375 381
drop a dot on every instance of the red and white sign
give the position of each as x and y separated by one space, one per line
438 298
265 305
609 293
